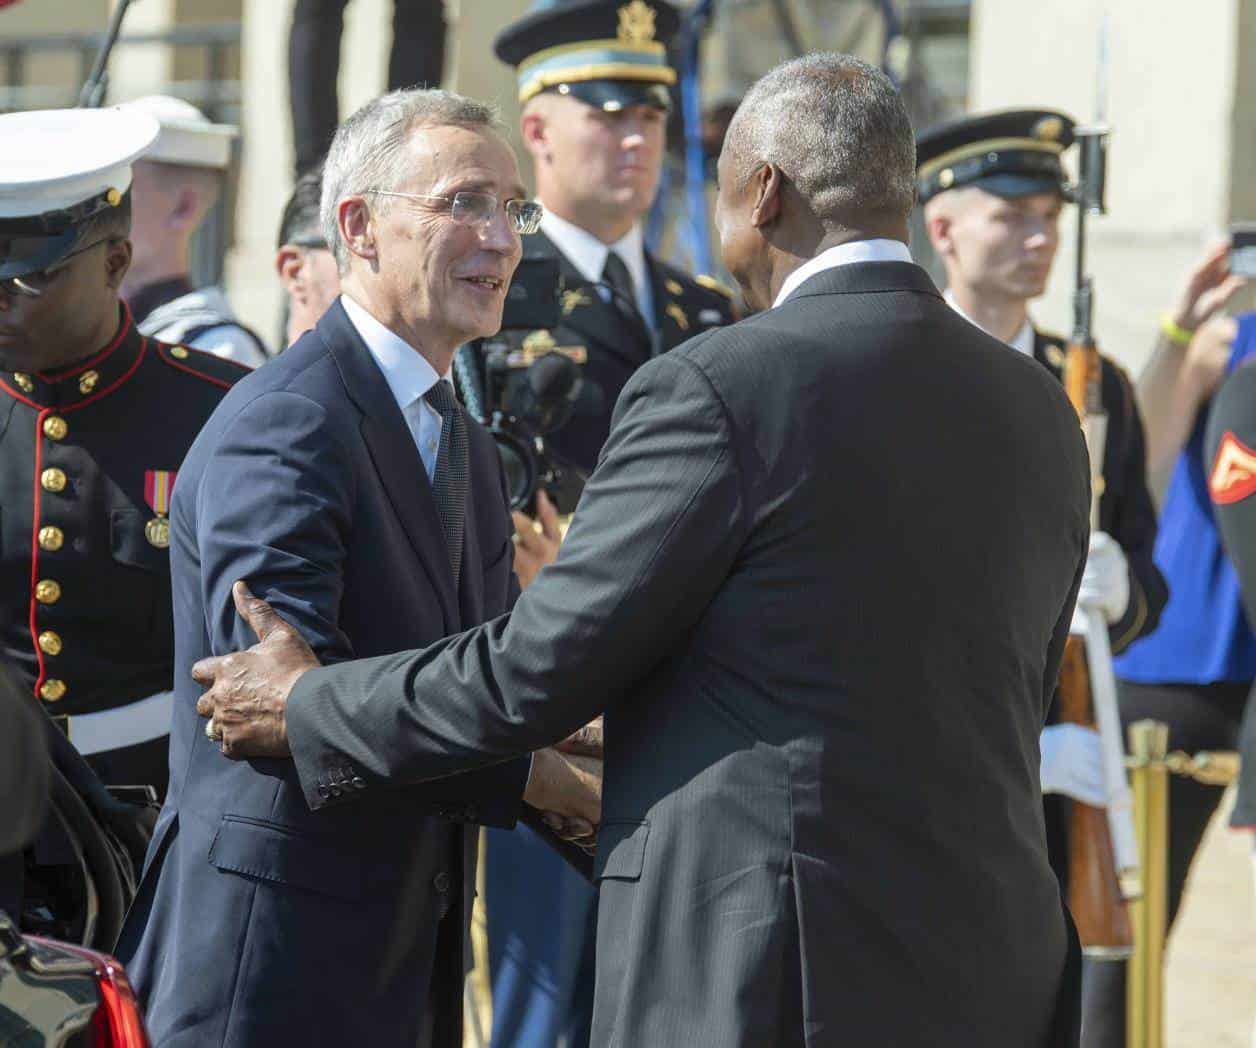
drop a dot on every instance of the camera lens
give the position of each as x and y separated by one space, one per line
520 469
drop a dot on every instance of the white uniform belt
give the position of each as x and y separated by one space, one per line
127 725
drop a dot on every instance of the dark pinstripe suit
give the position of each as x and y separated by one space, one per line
820 582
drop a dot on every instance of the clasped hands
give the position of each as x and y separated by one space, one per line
247 695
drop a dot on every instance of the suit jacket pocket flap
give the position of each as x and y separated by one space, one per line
620 851
281 856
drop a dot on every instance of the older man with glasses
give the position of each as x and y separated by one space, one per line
348 487
94 423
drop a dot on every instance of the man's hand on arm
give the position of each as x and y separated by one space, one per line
567 789
534 549
248 690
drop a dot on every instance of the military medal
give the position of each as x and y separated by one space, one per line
158 484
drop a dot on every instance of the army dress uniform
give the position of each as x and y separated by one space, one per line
89 458
1015 153
612 326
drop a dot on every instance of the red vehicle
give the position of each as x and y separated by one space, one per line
61 996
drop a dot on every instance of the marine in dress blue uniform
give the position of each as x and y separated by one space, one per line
89 448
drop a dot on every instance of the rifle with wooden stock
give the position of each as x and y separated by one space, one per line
1102 850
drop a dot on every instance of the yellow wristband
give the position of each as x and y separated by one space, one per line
1174 332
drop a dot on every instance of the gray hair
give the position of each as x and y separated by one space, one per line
837 129
368 151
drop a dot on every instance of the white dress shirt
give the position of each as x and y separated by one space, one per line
843 255
408 375
588 255
1022 341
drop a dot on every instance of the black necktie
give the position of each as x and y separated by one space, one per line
615 273
449 480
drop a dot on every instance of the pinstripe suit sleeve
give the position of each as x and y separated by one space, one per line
656 533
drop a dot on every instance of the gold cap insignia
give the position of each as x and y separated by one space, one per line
113 198
1048 129
636 23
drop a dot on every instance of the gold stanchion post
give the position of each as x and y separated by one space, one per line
1149 744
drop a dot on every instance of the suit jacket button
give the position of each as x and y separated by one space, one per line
441 882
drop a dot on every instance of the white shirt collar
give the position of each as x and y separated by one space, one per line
405 369
843 255
1022 341
588 254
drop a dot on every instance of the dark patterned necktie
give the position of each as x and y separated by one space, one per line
449 479
615 273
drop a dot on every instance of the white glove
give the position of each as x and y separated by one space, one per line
1072 764
1106 581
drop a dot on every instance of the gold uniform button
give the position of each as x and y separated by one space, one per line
24 382
47 591
88 380
52 690
52 479
50 643
55 427
51 538
178 352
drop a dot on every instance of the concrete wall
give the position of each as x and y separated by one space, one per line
1181 142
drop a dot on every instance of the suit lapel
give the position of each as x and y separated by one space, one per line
392 450
585 310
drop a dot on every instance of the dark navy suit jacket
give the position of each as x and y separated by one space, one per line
260 921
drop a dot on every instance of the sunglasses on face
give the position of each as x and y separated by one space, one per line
477 210
32 285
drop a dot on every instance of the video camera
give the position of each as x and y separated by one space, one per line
521 385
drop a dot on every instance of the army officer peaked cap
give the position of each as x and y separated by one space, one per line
607 53
1011 153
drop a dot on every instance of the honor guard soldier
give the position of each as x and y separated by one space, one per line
593 81
993 187
94 422
176 184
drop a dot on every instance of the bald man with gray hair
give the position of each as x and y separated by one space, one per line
819 584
